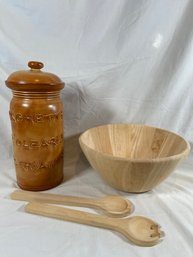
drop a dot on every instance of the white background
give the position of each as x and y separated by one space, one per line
122 61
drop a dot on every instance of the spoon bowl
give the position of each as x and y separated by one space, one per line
116 206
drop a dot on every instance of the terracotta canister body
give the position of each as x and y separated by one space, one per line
36 114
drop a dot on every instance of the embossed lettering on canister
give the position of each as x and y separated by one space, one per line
36 114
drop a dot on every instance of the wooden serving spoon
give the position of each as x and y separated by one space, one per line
137 229
115 206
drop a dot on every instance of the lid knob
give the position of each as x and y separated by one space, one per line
35 65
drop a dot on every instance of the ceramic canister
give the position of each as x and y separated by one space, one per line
36 114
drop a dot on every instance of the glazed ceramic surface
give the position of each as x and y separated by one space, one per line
36 113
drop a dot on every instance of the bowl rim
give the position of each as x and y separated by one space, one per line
162 159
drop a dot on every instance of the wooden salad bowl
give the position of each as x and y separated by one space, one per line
133 158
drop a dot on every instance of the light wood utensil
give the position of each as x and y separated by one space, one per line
133 158
112 205
137 229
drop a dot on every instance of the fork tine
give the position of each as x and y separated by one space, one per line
159 233
155 226
162 234
155 234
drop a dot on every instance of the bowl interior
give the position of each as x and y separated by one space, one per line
134 141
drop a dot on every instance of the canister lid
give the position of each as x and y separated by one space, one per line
34 80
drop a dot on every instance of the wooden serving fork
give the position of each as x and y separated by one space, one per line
139 230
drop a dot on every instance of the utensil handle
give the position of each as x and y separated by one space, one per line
71 215
53 198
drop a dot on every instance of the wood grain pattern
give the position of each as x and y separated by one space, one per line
139 230
133 158
115 206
